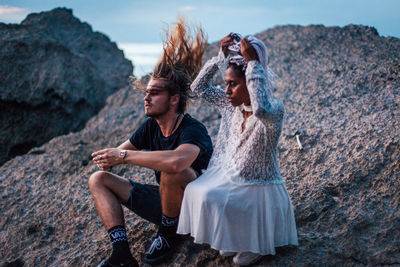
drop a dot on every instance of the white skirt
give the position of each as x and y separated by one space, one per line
237 218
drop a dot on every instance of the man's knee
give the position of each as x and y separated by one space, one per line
97 179
103 180
177 178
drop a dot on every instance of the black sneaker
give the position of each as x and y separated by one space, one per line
106 263
161 248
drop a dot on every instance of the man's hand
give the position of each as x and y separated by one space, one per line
248 52
224 43
107 158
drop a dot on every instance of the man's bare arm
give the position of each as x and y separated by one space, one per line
172 161
168 161
127 145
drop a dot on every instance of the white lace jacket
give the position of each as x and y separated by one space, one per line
248 157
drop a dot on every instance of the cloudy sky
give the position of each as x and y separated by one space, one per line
137 25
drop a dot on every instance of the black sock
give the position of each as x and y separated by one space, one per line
119 240
168 226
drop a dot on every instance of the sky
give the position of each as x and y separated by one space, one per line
137 25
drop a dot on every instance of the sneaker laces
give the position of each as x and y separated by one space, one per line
158 244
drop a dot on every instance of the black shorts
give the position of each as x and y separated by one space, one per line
145 201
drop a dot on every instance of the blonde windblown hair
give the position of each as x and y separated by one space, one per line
181 60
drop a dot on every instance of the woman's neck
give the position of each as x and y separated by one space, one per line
246 115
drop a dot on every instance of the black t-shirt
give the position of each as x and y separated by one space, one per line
189 131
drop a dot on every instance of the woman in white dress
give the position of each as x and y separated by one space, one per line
240 204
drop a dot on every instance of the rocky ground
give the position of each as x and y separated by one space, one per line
55 74
340 87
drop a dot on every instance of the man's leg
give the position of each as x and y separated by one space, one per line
108 191
172 186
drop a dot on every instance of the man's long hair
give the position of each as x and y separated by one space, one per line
181 60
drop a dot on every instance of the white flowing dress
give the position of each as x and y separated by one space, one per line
240 203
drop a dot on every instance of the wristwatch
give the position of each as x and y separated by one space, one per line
122 156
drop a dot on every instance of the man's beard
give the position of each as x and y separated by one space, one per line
161 111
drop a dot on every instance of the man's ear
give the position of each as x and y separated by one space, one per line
175 99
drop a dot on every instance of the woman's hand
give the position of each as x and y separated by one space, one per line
247 51
107 158
224 43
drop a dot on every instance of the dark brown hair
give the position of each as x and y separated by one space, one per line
181 60
238 70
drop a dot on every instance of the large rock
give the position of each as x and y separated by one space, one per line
340 87
55 74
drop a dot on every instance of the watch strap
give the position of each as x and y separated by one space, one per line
122 156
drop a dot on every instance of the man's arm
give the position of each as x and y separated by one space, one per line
127 145
172 161
175 160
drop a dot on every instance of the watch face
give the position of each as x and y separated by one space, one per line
122 153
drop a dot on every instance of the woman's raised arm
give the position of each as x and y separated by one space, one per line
265 107
202 87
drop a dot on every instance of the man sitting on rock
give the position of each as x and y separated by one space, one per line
172 143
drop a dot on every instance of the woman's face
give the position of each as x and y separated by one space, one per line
236 88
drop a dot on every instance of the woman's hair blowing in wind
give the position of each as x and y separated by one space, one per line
181 60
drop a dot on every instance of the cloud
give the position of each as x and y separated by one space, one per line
141 48
10 9
143 55
187 8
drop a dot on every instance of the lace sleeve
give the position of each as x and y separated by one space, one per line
202 87
265 107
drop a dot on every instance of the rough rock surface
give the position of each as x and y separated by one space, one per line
340 87
55 74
